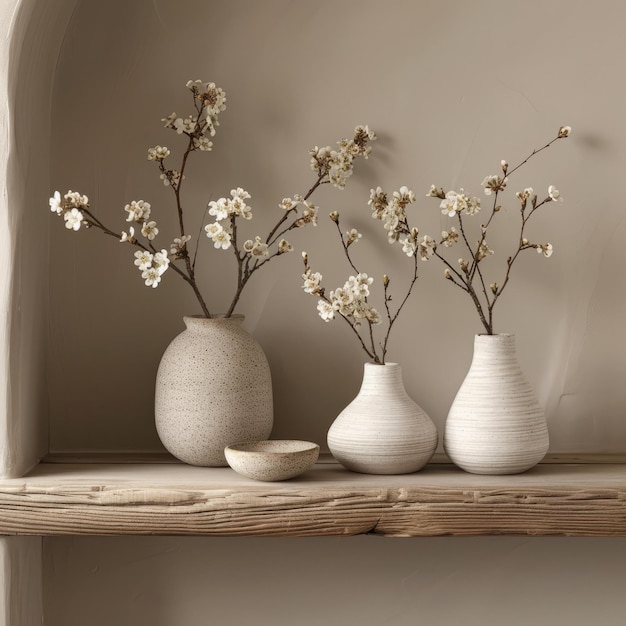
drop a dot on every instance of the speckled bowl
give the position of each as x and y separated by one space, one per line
270 461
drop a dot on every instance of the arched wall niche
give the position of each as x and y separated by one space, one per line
438 119
28 57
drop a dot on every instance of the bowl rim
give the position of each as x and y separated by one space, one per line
239 447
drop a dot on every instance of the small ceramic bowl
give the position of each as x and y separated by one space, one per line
269 461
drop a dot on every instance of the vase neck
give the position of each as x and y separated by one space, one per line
379 379
197 323
494 348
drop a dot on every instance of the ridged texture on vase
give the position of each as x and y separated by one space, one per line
495 424
383 431
213 389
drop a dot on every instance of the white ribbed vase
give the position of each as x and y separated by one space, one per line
495 424
213 389
382 431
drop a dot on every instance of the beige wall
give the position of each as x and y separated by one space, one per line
364 581
451 87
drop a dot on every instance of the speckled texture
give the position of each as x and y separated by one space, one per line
271 461
495 424
383 431
213 388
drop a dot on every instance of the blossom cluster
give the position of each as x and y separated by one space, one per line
338 164
392 213
350 301
152 266
71 206
197 129
467 273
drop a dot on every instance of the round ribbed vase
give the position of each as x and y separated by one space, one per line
383 431
495 424
213 389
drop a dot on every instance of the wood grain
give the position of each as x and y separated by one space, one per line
176 499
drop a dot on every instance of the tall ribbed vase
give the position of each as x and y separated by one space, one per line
495 424
213 389
383 431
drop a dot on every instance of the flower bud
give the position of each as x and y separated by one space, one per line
564 131
447 274
505 165
334 216
494 288
385 279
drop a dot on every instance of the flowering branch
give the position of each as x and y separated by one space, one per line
332 166
350 302
469 275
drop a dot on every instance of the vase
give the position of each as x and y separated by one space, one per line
495 424
382 431
213 389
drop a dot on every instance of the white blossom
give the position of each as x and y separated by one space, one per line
56 203
149 230
409 245
524 195
449 238
202 143
179 244
284 246
483 251
152 277
288 204
221 240
75 199
493 183
158 153
426 247
555 194
128 236
545 248
352 236
73 219
185 125
219 208
325 310
312 281
213 229
256 248
143 259
138 211
160 262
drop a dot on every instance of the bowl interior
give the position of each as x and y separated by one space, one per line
276 446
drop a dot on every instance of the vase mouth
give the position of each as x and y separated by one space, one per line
221 316
199 320
495 335
370 364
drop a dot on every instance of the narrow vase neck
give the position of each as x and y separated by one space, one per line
379 379
197 323
494 348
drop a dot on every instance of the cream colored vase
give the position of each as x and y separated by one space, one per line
213 389
495 424
382 431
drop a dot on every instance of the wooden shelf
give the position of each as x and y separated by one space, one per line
584 499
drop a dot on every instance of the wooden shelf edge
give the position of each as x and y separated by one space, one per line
573 499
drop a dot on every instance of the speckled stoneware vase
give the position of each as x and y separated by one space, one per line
495 424
213 389
383 431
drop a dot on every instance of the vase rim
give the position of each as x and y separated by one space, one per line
495 335
237 317
369 363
